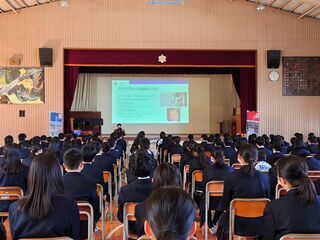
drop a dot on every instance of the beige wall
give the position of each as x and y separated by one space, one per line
197 24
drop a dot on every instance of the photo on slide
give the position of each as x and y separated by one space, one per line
173 99
173 115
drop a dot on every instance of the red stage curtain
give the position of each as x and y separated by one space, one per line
70 83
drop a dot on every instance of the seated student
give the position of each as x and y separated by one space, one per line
121 144
114 153
216 172
313 147
229 151
239 143
261 164
24 149
88 153
170 214
7 140
296 212
136 141
144 144
13 172
260 142
166 174
176 148
204 140
277 154
312 163
300 148
34 150
104 161
54 148
21 138
140 189
244 183
44 144
79 187
44 212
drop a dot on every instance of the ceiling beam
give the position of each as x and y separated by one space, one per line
24 3
296 6
308 11
284 4
272 2
11 6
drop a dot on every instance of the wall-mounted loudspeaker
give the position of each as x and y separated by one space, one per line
45 55
273 58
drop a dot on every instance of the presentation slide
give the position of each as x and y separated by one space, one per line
150 101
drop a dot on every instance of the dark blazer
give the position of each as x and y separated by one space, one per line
229 152
136 191
27 162
103 162
141 215
176 149
81 188
313 164
121 145
274 157
63 220
273 181
288 215
267 151
93 173
3 232
239 185
313 148
115 154
300 152
7 180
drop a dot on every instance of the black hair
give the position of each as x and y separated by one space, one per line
61 136
22 137
249 154
218 156
202 156
119 125
170 213
190 137
88 152
240 142
34 151
44 181
12 163
144 143
299 144
262 156
277 145
260 141
143 164
72 158
162 135
97 145
166 174
295 171
176 140
313 139
8 140
105 147
252 139
228 141
204 137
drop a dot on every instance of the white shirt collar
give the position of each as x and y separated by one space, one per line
142 178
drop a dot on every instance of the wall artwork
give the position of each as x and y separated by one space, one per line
21 85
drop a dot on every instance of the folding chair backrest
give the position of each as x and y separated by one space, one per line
295 236
246 208
10 194
197 176
128 214
185 172
280 191
236 166
215 188
175 158
86 214
314 175
107 178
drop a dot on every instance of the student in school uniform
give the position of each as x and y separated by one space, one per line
44 212
166 174
88 153
260 142
7 140
144 144
229 151
176 148
170 214
246 182
300 148
277 154
54 148
313 147
140 189
297 211
218 171
104 161
79 187
13 172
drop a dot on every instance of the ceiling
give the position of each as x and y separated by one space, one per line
16 6
303 8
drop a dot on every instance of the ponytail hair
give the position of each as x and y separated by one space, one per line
295 171
249 154
218 156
